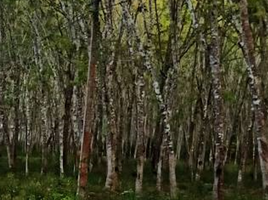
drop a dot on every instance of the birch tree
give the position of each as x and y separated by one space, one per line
247 45
89 101
214 59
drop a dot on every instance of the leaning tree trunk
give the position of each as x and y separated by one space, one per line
89 102
220 149
247 46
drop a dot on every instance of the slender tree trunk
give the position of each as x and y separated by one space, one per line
247 46
77 125
159 169
28 129
16 118
244 150
202 142
3 112
5 121
164 109
140 133
68 93
37 47
89 102
220 149
111 140
179 143
129 120
112 179
120 132
61 148
44 132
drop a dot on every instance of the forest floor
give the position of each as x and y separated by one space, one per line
17 186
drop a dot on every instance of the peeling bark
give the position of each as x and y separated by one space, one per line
88 120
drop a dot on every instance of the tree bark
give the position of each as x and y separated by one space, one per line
112 142
164 109
88 120
68 93
140 132
248 49
220 149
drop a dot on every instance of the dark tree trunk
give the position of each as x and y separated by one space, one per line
68 93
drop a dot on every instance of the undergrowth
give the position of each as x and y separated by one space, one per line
17 186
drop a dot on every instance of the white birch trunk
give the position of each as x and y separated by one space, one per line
61 148
247 45
109 153
220 149
163 107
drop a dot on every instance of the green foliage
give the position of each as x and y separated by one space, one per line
36 187
229 97
81 66
51 187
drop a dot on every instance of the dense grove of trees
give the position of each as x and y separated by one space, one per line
158 81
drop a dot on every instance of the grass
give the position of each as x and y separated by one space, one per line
17 186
